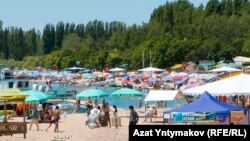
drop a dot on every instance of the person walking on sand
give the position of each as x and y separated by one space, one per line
35 117
56 117
148 114
139 104
133 118
106 110
115 116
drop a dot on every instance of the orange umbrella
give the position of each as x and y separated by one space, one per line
20 106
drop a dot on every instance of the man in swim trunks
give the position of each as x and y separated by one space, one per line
56 117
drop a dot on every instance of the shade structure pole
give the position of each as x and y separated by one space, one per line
229 117
248 117
5 111
24 119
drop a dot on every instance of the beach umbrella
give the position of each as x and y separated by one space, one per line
126 92
87 76
92 93
41 96
86 71
32 99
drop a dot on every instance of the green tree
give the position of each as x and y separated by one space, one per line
59 34
48 38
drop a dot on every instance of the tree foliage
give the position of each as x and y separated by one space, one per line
176 32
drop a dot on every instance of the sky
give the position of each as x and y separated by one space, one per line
29 14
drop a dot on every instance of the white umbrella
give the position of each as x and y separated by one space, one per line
225 69
116 70
151 69
235 85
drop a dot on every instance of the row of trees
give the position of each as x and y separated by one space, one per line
176 32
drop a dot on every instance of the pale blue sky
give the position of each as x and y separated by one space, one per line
37 13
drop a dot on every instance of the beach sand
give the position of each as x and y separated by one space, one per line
72 128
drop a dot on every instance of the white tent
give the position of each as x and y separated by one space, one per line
225 69
242 59
161 95
235 85
74 68
116 70
151 69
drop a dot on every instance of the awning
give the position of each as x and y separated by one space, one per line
176 66
161 95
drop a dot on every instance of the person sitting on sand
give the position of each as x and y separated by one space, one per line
56 117
89 108
93 119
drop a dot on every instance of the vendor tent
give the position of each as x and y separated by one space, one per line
207 103
235 85
161 95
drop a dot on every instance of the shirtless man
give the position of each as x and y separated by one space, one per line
56 117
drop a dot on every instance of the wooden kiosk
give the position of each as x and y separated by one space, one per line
10 128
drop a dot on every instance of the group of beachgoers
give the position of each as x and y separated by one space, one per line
46 88
49 114
99 115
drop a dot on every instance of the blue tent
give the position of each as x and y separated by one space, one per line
207 103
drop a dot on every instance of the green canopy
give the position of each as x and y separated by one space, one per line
36 95
92 93
126 93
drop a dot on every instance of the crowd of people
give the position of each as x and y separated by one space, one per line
49 114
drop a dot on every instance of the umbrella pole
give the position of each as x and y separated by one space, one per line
5 111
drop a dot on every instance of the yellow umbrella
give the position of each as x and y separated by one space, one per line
11 95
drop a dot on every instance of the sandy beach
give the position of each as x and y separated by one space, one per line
72 128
